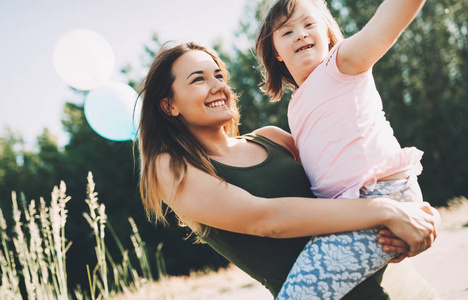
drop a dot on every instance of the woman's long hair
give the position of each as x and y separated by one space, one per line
275 73
160 132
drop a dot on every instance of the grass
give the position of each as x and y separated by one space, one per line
455 214
33 252
39 246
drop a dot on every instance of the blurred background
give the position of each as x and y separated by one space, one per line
45 137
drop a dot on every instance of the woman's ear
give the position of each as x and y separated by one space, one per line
278 57
168 108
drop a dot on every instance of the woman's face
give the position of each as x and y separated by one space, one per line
201 96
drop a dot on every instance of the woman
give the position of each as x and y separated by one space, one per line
187 122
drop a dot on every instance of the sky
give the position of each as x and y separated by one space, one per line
32 95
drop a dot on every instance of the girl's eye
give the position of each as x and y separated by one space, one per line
287 33
220 76
308 25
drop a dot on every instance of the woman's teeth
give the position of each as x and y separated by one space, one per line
216 103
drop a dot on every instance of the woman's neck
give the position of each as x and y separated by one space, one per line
215 142
231 151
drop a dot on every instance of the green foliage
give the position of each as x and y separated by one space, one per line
10 168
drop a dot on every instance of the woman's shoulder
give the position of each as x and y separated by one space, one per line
162 161
278 136
275 134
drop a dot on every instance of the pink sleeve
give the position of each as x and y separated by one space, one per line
332 68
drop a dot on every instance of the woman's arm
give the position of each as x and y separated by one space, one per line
207 200
360 52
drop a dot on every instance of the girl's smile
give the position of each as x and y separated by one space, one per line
307 46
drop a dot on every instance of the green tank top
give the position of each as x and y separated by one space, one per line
269 260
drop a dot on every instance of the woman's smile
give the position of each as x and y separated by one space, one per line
216 103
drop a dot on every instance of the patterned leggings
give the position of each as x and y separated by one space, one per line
332 265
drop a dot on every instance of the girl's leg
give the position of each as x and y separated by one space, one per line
332 265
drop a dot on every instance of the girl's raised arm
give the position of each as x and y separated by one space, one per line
360 52
207 200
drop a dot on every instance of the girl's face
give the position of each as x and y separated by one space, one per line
201 96
302 42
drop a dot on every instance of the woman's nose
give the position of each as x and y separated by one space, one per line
217 86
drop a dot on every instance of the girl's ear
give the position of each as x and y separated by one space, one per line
168 108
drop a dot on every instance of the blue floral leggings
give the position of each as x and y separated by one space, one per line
332 265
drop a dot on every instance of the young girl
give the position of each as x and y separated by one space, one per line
335 115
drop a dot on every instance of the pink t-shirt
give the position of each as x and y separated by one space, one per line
339 127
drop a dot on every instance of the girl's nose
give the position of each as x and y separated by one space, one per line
301 36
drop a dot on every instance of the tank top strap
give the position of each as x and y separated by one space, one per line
267 143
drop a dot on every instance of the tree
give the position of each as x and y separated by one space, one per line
11 147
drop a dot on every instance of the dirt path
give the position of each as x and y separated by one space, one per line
445 264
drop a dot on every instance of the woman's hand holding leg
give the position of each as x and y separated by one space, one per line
416 224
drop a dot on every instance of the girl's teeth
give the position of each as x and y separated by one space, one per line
307 47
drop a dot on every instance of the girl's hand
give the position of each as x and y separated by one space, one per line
392 244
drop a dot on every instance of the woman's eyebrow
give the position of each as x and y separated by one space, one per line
201 72
195 72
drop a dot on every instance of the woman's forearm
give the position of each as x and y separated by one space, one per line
415 223
295 217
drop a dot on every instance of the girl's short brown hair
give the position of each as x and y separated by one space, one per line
275 74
